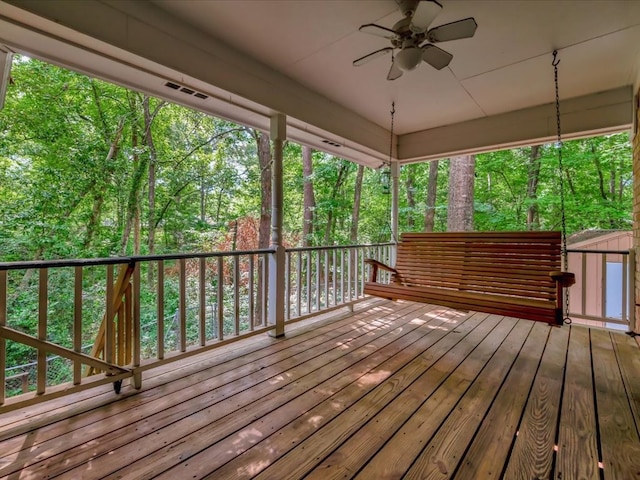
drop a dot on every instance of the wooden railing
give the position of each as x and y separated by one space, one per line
106 320
321 279
604 292
122 318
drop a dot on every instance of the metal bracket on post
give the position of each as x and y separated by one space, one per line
277 259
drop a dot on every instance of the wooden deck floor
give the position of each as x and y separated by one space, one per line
397 390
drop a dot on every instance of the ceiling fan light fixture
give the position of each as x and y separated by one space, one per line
409 58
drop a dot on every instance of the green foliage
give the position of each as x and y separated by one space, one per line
75 160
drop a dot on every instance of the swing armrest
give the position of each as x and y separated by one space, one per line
564 279
375 265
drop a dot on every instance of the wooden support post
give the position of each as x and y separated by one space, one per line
277 259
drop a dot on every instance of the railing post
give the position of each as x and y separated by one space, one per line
3 342
136 379
631 271
277 259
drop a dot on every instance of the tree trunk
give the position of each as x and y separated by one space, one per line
264 158
461 184
264 230
309 200
432 190
98 198
411 201
533 216
596 161
132 217
355 213
151 150
342 176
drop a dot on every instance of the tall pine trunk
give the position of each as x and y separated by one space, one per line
432 190
355 213
264 229
149 116
309 201
342 176
411 201
533 216
461 185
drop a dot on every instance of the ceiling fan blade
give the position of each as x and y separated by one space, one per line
436 57
372 56
394 72
377 30
453 31
426 12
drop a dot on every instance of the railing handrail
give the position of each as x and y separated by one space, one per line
581 250
89 262
337 247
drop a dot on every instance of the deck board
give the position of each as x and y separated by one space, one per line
577 439
395 390
618 432
533 450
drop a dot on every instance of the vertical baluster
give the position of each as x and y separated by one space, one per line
583 257
632 290
326 278
128 325
203 301
287 286
236 294
251 309
318 287
298 282
334 276
356 277
42 329
3 342
349 273
308 283
119 335
603 287
342 275
362 273
624 288
160 309
137 376
220 298
109 325
265 290
77 324
182 267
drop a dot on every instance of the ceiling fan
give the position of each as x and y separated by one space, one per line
414 38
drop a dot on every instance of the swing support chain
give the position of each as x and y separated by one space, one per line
565 258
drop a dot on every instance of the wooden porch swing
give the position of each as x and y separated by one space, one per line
518 274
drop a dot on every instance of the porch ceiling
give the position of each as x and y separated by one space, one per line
259 57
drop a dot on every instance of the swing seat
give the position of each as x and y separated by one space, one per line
506 273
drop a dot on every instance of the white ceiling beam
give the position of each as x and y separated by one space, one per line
594 114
